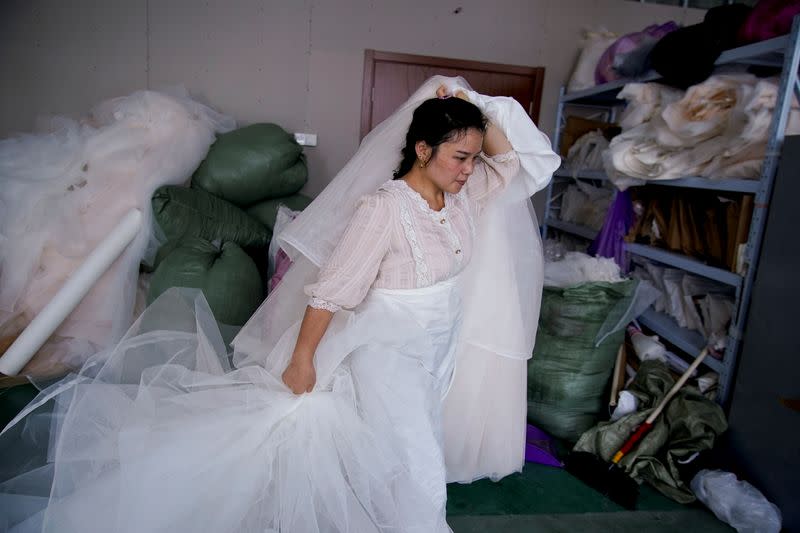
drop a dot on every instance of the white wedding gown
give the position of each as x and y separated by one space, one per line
168 432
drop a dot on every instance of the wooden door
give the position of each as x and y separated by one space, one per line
390 79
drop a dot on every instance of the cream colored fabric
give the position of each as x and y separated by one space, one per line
717 129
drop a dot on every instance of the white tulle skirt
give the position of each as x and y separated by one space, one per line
161 433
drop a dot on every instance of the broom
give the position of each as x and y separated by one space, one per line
609 478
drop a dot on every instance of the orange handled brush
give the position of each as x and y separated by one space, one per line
611 479
642 430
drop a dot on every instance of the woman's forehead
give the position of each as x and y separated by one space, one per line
469 141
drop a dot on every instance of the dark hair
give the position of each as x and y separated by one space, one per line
437 121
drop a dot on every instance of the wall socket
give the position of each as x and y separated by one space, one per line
306 139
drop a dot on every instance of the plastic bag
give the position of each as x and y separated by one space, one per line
596 43
586 205
736 502
282 219
605 70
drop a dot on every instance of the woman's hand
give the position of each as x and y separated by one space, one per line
300 375
443 92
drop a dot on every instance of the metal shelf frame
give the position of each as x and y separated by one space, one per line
683 262
729 185
781 52
572 229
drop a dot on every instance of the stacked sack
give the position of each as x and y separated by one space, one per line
585 305
217 232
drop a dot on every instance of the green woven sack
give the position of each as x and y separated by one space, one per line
251 164
227 276
182 212
568 374
267 211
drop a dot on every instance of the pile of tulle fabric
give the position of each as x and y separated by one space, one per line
65 188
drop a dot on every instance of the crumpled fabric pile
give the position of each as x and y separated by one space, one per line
717 129
65 188
695 303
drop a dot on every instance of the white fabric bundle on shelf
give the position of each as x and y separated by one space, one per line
576 268
717 129
587 153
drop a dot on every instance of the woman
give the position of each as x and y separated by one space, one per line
406 244
163 434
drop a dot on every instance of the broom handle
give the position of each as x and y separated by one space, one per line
615 378
675 388
642 430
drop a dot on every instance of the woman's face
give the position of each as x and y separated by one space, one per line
454 161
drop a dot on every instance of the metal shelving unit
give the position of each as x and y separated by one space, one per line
572 229
783 52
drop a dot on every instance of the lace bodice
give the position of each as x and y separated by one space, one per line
396 241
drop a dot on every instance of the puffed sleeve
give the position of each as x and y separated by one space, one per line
491 175
353 266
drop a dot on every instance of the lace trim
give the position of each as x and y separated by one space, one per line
421 267
466 208
421 203
319 303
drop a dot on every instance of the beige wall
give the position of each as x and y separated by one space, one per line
297 63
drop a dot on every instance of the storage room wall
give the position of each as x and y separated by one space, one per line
296 63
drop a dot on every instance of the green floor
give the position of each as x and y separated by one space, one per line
543 498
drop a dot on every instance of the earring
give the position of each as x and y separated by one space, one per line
422 163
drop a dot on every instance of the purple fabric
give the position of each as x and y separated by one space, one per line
605 66
282 264
610 242
769 18
539 448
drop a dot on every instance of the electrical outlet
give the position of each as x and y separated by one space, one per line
306 139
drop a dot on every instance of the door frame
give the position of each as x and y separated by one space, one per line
373 56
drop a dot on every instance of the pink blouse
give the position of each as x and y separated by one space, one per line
396 241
